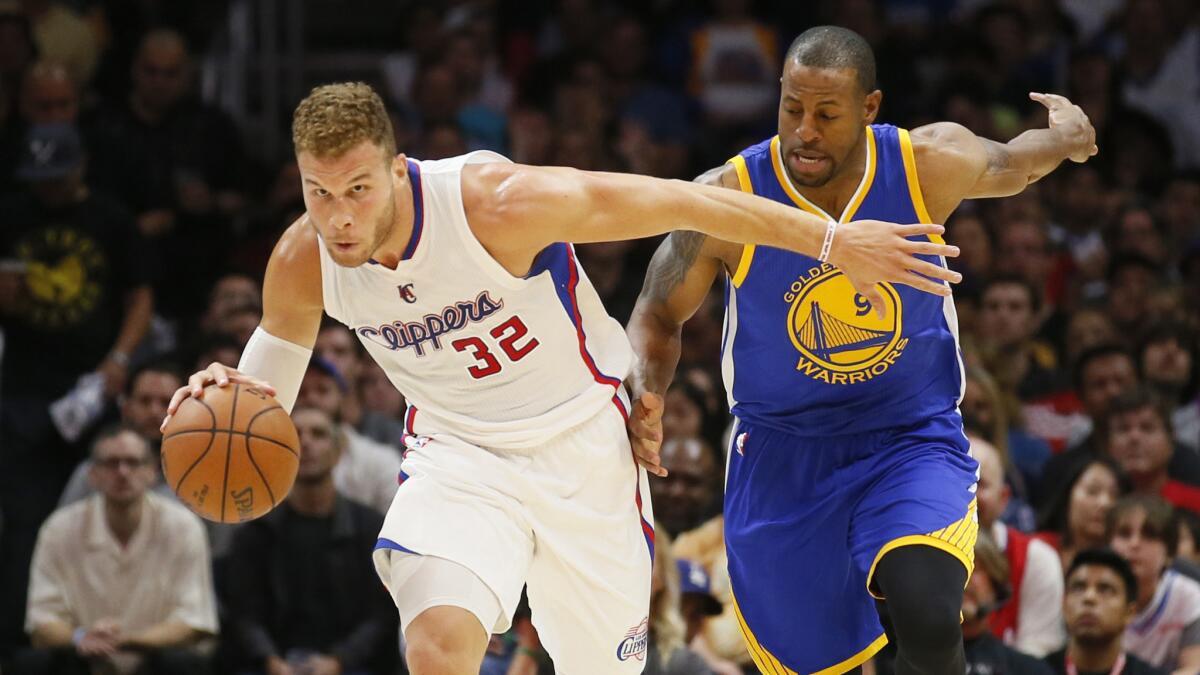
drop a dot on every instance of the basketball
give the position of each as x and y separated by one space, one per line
232 455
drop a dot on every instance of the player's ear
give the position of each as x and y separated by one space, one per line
400 165
871 106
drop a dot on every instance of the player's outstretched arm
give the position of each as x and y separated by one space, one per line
955 164
277 354
517 210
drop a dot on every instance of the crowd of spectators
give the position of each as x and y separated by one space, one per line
136 219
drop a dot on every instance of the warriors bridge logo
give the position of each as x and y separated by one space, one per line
840 338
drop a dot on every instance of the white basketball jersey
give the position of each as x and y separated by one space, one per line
500 361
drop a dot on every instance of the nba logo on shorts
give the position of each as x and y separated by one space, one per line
634 644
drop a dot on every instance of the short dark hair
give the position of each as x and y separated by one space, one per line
112 431
1160 519
156 366
1055 516
1007 279
835 47
1138 398
1124 261
1106 557
1095 353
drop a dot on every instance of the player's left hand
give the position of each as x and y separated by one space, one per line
321 664
645 432
1074 125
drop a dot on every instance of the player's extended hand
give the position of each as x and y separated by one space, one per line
222 375
645 432
1074 125
870 252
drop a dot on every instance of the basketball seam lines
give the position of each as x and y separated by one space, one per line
257 437
211 438
229 449
250 453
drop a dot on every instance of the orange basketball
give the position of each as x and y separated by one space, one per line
232 455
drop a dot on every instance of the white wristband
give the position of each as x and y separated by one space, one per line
828 243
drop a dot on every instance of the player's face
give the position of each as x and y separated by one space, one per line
351 200
1095 605
822 112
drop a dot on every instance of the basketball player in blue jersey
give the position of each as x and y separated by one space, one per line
849 478
456 277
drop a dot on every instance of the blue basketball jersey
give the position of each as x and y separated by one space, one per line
802 352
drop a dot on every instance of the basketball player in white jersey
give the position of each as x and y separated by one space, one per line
455 276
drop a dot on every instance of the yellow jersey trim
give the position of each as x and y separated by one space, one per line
914 183
856 200
743 176
765 661
856 660
957 539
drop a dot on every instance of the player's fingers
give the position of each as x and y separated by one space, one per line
220 373
198 381
930 248
936 271
650 407
927 285
650 431
918 229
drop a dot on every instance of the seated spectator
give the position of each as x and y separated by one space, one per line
121 580
377 393
689 494
1101 374
339 346
696 599
667 652
302 592
1168 364
1138 438
1078 518
48 95
986 410
1008 323
720 640
987 590
1166 629
1030 619
368 472
143 407
1100 602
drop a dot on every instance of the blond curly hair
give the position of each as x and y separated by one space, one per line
334 118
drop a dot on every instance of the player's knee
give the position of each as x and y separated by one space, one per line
924 590
445 641
930 628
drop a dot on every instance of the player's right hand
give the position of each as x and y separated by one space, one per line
870 252
645 432
217 373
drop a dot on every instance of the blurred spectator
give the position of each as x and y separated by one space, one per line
1008 322
1079 209
1168 364
1087 328
696 599
1078 517
18 48
341 348
1131 280
1162 64
121 581
1138 233
1099 605
1166 630
177 163
367 471
988 590
688 494
63 36
1101 374
735 66
48 95
229 295
302 594
719 639
377 393
1029 620
78 291
1137 435
1179 207
1024 250
607 264
970 234
530 136
667 652
143 407
994 414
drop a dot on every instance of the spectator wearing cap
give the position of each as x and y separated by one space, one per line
1137 435
1099 604
1165 631
76 286
696 600
1030 619
667 652
368 471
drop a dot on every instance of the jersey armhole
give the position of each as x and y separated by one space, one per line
914 183
743 176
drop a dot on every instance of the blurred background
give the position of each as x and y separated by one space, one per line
146 172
